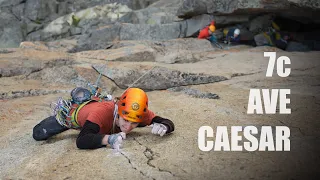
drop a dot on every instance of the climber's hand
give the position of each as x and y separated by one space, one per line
159 129
116 140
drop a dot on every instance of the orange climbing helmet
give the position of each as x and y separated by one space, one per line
212 28
133 105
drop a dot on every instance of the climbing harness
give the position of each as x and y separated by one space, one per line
66 110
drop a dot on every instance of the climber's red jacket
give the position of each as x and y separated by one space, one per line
204 33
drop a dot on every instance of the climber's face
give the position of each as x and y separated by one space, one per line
125 125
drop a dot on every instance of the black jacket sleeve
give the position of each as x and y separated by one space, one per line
89 137
163 121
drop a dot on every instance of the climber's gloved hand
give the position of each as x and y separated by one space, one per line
225 42
116 140
159 129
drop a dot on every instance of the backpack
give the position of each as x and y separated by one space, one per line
66 110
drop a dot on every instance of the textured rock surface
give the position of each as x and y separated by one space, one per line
155 78
191 8
24 102
152 32
10 33
194 93
135 53
172 51
41 20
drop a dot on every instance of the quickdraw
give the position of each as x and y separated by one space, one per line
61 110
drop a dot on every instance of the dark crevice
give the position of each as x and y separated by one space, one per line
180 30
5 51
36 22
194 92
28 93
129 160
10 6
244 74
27 71
119 32
150 156
10 9
306 69
34 71
292 127
32 30
162 170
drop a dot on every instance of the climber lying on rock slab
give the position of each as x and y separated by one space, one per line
103 122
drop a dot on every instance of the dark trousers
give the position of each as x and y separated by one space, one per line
47 128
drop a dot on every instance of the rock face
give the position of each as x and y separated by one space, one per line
82 21
109 20
140 4
172 51
195 93
181 50
63 45
154 78
23 20
190 8
10 32
6 3
24 65
100 22
152 32
134 53
145 156
295 46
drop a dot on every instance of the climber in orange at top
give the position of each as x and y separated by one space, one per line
104 123
207 33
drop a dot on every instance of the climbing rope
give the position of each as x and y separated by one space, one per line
140 77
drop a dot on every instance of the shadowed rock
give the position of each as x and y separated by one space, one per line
152 32
136 53
181 50
62 45
172 51
195 93
27 93
24 66
10 32
6 51
190 8
154 78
